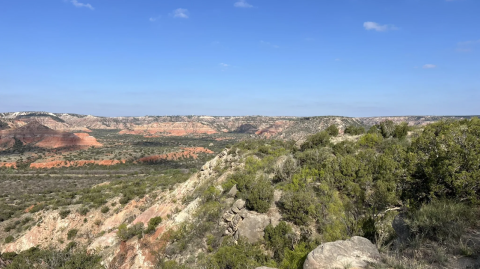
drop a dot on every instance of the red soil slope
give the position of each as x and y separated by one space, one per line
42 136
74 163
10 165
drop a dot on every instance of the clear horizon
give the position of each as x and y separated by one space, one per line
242 57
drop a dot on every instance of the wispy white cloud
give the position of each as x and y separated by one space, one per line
78 4
242 4
429 66
467 46
154 19
268 44
181 13
224 66
370 25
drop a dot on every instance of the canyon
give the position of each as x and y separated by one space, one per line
157 126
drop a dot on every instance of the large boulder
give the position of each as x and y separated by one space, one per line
353 253
253 225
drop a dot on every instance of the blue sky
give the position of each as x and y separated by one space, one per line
241 57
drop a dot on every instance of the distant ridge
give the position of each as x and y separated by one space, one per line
282 127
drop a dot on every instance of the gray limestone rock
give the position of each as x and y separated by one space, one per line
252 226
239 204
233 191
356 252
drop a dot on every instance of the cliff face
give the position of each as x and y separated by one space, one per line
271 127
34 133
170 129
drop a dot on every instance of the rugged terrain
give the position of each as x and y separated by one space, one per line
271 127
222 192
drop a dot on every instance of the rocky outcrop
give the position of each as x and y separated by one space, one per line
154 126
240 222
274 129
141 253
356 252
8 164
170 129
39 135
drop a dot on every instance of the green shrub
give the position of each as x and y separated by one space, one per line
278 239
125 233
9 239
211 194
260 195
370 140
83 211
37 207
401 130
387 128
72 233
238 256
294 259
125 200
320 139
64 213
298 206
52 259
447 161
70 246
345 148
354 130
442 220
332 130
152 224
285 170
105 209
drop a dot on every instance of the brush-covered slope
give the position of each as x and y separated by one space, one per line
414 194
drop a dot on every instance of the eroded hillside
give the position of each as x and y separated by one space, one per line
279 204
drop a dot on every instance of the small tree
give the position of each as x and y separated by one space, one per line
320 139
260 195
332 130
401 130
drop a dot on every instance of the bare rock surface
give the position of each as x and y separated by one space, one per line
356 252
252 226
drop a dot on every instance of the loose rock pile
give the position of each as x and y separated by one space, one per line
233 217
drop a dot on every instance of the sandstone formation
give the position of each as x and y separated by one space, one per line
170 129
274 129
356 252
153 126
39 135
8 164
